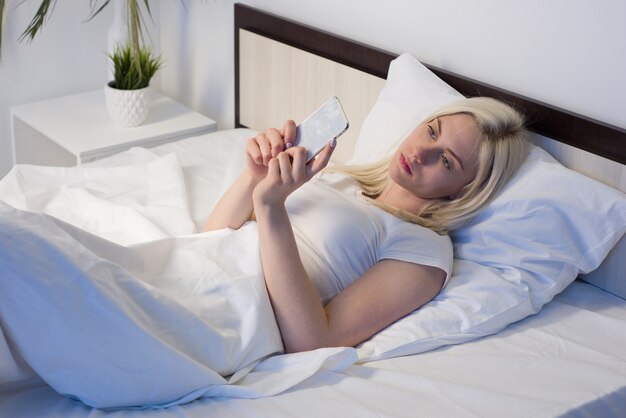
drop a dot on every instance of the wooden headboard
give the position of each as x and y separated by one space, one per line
284 69
579 131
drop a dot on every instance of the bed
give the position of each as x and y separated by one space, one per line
528 326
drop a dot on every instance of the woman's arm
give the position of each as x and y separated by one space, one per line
235 206
387 292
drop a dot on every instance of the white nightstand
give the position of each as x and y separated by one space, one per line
76 129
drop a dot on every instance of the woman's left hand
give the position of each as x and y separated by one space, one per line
287 172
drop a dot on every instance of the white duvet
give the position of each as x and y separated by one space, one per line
128 306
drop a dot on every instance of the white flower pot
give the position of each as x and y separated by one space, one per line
127 108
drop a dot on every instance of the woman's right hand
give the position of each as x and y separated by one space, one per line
236 207
267 145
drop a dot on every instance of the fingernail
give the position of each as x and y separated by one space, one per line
333 143
288 145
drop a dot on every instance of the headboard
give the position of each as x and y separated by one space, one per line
284 69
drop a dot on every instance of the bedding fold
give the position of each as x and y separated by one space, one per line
141 201
134 310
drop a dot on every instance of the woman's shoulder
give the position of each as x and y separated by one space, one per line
414 243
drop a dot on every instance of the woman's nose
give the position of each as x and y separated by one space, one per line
423 154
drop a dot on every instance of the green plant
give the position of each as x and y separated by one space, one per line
133 71
36 23
135 21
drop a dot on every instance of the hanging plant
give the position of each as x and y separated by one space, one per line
135 22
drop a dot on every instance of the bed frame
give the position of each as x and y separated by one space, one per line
275 57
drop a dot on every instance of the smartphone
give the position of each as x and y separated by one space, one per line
326 123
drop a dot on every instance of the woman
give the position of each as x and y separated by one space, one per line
440 176
343 255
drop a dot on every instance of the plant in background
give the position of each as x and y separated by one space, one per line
133 64
36 23
135 20
126 96
133 70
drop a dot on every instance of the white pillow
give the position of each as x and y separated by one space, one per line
411 93
547 226
559 223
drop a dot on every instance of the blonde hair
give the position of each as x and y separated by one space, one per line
502 150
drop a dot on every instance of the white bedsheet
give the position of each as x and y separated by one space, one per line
566 361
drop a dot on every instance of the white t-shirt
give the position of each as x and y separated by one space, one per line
340 236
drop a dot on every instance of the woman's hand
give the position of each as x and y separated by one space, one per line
236 207
267 145
287 172
273 170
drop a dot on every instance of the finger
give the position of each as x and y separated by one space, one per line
264 147
277 144
273 169
299 164
253 151
322 159
289 132
286 174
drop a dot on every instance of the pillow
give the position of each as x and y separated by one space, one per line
551 223
548 225
411 93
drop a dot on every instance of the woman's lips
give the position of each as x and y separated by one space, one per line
405 164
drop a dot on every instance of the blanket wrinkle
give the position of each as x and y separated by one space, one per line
125 204
133 308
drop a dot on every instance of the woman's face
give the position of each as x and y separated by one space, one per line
438 158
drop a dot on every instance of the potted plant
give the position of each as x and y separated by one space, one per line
126 95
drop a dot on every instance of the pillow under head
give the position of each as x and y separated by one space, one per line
547 226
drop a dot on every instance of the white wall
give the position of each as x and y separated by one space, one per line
64 58
570 53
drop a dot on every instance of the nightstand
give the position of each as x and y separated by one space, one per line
75 129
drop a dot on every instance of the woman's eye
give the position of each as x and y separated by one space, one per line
446 162
431 132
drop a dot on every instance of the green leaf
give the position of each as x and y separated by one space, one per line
94 4
45 9
132 70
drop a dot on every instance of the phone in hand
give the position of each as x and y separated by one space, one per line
326 123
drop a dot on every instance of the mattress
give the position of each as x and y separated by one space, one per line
568 360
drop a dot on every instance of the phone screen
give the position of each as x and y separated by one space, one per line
326 123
